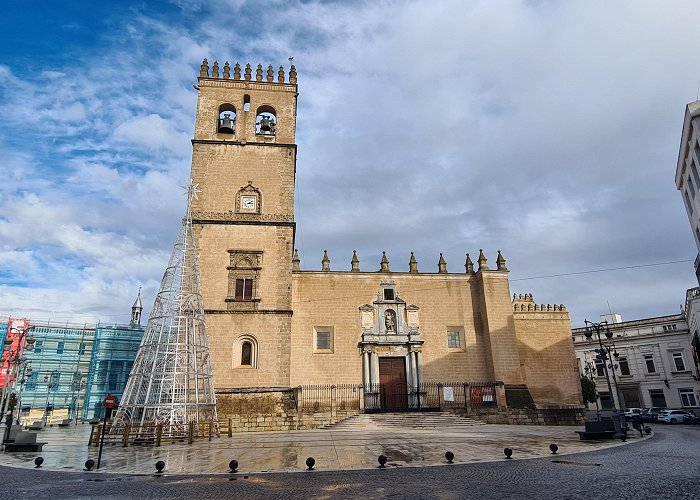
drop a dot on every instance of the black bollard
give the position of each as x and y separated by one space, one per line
160 465
310 462
382 461
508 452
38 461
89 464
233 465
449 456
553 448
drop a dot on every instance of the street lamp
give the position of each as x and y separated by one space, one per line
26 373
603 354
590 370
52 382
614 365
78 384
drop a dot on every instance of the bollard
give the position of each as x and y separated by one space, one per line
310 463
233 465
160 465
38 461
508 452
382 461
89 464
449 456
553 448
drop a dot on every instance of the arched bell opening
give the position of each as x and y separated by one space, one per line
266 121
226 123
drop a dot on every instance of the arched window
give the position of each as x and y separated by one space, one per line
226 122
266 121
245 352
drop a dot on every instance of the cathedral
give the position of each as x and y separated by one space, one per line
276 330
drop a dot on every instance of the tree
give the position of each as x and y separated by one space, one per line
588 390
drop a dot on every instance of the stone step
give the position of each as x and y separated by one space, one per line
437 420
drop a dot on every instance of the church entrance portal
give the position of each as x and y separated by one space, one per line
392 380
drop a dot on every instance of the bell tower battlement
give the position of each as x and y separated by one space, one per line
242 108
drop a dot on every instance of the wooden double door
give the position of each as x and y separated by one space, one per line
392 380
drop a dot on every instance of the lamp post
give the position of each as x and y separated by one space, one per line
590 369
51 383
26 373
603 355
78 384
614 366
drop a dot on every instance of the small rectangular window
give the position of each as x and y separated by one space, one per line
624 366
81 351
687 397
455 338
657 398
323 339
59 348
649 360
37 346
605 401
388 294
678 361
244 289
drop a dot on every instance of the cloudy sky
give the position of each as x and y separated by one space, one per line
546 129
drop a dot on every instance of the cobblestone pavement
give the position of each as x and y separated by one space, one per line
665 466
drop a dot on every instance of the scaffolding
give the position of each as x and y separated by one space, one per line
171 384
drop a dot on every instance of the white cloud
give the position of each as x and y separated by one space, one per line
151 132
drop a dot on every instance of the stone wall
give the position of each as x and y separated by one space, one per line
531 416
262 409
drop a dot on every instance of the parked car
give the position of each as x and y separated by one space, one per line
650 414
633 412
676 416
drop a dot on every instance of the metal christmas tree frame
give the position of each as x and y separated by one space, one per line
171 380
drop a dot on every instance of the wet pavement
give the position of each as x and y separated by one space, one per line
335 449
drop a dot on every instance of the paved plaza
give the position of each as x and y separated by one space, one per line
405 441
667 465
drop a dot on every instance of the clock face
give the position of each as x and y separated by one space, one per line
248 202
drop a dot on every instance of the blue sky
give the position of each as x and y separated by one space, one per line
548 130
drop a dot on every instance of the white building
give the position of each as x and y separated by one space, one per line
688 172
654 366
692 317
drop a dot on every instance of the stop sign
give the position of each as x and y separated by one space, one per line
109 401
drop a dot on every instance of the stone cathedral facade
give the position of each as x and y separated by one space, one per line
275 328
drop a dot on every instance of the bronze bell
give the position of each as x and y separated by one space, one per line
226 124
265 125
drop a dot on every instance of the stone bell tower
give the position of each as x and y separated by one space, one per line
244 163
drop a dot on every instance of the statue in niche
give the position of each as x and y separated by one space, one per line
390 321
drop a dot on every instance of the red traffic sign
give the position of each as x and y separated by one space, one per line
109 401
